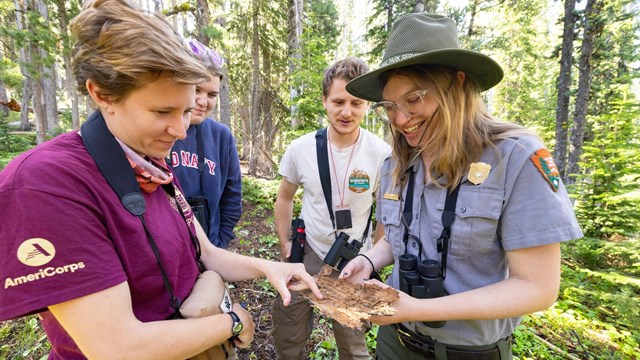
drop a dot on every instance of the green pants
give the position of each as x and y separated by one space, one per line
390 348
292 325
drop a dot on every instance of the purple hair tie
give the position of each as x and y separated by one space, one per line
205 54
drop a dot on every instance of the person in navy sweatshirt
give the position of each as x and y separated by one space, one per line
206 162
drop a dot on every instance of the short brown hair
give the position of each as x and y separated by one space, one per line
346 69
121 48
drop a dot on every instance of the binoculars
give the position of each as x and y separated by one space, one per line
422 281
342 251
298 241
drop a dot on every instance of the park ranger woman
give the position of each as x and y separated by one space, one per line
473 209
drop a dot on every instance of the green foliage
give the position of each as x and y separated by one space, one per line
597 311
11 145
378 23
264 193
260 192
326 347
610 172
39 34
319 40
10 75
23 339
614 61
520 44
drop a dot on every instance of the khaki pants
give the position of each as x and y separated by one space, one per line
292 325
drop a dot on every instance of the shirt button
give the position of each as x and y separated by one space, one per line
384 218
414 245
463 210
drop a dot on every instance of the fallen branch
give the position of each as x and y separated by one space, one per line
555 348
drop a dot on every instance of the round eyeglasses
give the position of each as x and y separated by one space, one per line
410 105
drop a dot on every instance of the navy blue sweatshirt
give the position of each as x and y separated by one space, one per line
221 180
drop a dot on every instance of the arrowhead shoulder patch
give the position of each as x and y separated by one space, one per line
543 161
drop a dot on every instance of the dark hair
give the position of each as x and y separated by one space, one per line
347 69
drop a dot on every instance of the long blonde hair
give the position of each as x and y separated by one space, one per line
460 129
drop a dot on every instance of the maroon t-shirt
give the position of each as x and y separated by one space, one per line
64 234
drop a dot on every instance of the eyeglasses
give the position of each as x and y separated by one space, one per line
206 55
410 104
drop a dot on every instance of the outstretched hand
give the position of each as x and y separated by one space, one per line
403 307
357 270
287 276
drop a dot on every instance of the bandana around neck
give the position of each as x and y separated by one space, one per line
150 172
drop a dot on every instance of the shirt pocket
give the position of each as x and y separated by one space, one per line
475 230
390 217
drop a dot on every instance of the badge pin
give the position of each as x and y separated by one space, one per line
391 197
479 172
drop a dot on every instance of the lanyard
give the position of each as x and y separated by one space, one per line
346 172
448 217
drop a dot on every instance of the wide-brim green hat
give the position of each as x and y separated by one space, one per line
421 38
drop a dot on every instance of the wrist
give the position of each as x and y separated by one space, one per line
236 325
367 260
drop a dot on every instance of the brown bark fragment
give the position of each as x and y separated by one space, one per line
351 304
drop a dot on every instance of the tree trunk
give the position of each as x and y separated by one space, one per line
389 16
47 76
266 140
255 126
174 18
41 112
4 111
592 28
25 58
225 103
563 88
202 21
473 9
293 49
70 83
225 95
245 120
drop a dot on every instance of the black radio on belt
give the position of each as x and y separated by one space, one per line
298 241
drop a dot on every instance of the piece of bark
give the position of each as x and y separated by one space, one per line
351 304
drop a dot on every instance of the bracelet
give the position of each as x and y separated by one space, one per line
373 268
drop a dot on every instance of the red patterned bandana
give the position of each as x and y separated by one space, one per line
150 172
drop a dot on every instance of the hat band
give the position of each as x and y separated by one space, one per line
397 58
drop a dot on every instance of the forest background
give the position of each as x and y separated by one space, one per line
571 74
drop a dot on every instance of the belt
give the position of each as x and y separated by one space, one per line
425 345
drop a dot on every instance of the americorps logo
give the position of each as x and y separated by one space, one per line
36 252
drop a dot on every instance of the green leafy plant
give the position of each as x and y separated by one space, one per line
610 172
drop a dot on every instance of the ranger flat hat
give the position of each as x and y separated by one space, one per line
421 38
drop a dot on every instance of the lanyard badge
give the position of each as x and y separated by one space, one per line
343 217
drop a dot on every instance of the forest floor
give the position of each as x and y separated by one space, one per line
595 316
256 237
